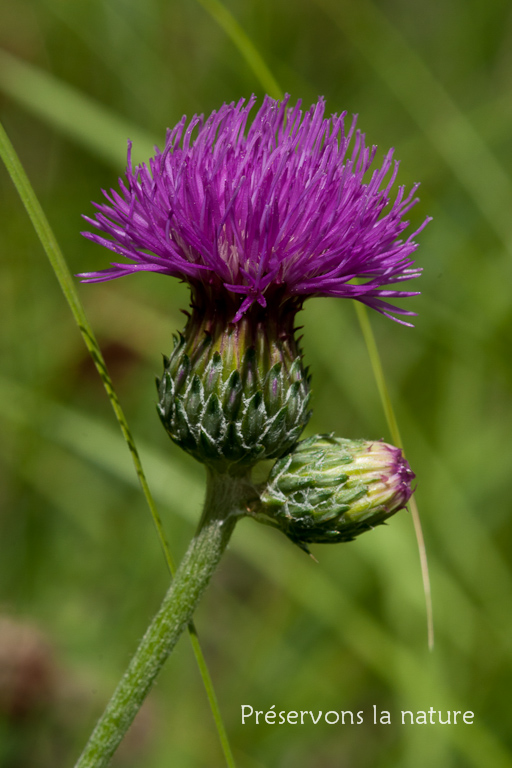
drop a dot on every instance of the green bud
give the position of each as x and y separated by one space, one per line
234 393
329 489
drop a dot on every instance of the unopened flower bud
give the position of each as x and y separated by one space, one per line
330 489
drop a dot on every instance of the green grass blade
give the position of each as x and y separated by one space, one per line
58 263
245 46
72 113
378 372
430 105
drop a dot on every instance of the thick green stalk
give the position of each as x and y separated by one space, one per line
225 502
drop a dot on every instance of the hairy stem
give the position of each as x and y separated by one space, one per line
225 502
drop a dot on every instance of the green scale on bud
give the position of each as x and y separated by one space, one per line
233 394
329 489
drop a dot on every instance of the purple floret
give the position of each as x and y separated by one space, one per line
401 478
280 205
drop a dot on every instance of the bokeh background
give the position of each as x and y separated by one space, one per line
81 569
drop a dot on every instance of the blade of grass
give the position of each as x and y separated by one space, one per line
263 74
378 372
60 268
432 108
245 46
84 120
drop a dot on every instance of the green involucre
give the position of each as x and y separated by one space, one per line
234 394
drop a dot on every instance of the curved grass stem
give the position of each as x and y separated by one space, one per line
378 373
244 44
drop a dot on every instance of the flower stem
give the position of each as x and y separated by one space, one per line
225 502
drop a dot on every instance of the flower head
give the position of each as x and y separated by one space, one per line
278 211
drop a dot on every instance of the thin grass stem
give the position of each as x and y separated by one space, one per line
245 46
378 372
71 112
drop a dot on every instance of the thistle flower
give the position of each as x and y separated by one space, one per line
255 220
281 208
330 489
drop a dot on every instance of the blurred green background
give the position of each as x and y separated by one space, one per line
81 569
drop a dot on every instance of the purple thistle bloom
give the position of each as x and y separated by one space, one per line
279 208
